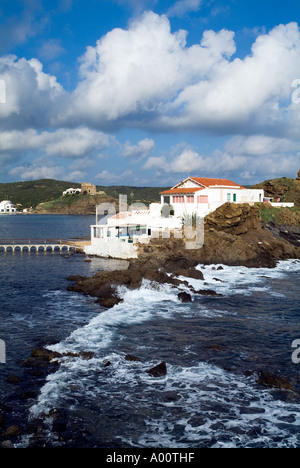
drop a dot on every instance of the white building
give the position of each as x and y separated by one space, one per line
201 196
120 235
71 191
6 206
123 233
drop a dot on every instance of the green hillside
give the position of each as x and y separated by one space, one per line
288 190
144 195
32 193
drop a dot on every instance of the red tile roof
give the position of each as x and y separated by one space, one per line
213 182
182 190
205 182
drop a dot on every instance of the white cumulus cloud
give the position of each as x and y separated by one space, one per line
181 7
137 72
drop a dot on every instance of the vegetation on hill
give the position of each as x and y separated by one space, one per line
75 204
288 190
279 216
145 195
49 191
31 193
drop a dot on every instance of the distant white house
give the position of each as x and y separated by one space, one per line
71 191
6 206
201 196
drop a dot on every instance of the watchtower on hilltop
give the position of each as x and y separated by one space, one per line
89 188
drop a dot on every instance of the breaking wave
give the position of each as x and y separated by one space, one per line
195 405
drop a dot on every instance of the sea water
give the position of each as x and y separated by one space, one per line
213 348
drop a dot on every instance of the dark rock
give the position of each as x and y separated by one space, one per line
86 355
129 357
41 358
179 262
184 297
207 292
270 380
106 363
190 273
7 444
158 371
215 347
12 431
13 379
55 413
36 363
35 426
108 303
2 420
45 354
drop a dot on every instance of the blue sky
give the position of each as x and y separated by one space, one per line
144 92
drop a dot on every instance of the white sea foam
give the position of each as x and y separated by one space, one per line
213 406
230 280
219 409
138 306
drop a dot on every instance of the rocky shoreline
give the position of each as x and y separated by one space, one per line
43 361
234 236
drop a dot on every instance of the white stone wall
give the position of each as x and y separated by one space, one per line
112 248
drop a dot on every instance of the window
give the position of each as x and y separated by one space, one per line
178 199
234 197
190 199
203 199
228 197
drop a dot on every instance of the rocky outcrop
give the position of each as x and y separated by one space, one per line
233 219
273 381
233 236
104 285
